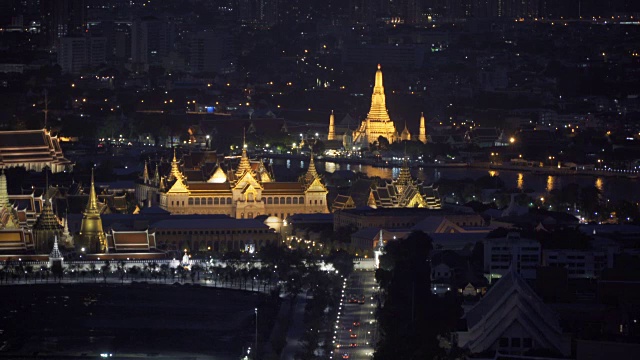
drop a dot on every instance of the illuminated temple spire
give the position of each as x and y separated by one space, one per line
377 122
145 173
312 173
332 127
92 237
244 165
4 193
175 168
422 137
10 221
378 109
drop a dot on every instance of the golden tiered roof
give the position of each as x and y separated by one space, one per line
245 164
47 219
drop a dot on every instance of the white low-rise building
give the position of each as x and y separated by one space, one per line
502 253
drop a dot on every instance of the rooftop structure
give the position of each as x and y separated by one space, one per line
247 191
33 150
512 319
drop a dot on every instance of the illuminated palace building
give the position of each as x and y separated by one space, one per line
378 123
244 193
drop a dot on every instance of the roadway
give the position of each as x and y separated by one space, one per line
360 285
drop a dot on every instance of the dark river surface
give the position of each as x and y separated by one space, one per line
613 188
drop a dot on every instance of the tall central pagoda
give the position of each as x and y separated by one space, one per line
377 122
92 237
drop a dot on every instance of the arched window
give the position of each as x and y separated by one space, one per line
190 201
216 201
295 200
203 201
282 200
316 202
197 201
276 201
320 202
269 200
301 200
250 215
209 201
288 201
228 201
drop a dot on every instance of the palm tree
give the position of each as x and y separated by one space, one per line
28 271
94 272
253 275
105 269
164 269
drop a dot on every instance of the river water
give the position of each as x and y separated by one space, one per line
612 188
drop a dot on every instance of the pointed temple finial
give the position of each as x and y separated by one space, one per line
92 205
55 253
145 173
378 66
332 127
422 135
380 246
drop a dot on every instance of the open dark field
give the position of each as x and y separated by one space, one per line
85 320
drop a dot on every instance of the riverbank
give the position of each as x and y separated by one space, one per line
545 170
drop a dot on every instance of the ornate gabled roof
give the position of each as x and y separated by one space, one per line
218 176
512 302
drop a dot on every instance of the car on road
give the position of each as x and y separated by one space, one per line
345 356
353 345
356 323
353 335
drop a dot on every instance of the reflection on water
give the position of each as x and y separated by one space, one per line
302 164
600 184
520 181
551 183
331 167
612 188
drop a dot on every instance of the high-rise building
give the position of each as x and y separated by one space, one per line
211 51
79 53
62 18
258 12
151 40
